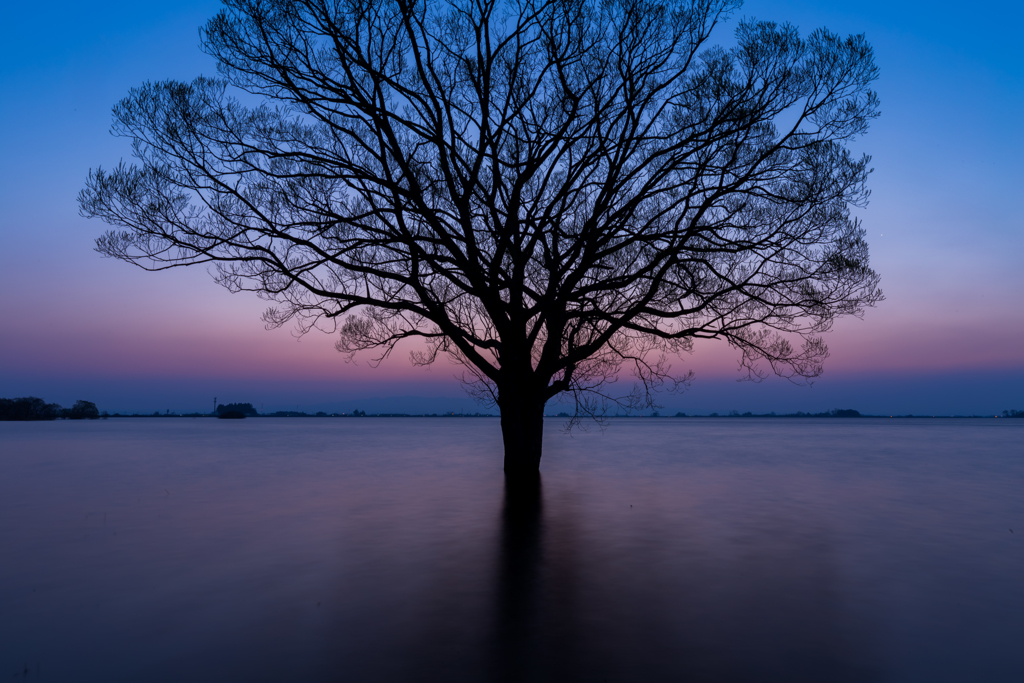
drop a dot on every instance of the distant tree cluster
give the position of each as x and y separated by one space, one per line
28 408
246 409
32 408
82 410
1013 413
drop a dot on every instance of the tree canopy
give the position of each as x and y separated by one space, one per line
548 191
243 408
29 408
33 408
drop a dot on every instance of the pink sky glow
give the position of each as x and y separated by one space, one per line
944 231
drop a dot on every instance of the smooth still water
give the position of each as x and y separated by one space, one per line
383 550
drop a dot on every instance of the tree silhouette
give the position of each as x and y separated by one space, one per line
83 410
28 408
549 192
243 408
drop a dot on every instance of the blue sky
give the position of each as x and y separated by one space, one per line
945 230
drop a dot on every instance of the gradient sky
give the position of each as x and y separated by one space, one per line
944 223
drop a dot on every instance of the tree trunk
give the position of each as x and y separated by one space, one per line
522 430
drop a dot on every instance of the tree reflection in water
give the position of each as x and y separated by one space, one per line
518 591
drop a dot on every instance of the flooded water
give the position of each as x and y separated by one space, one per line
385 550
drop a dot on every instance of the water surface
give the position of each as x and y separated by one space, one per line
384 549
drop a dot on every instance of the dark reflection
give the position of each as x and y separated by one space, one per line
662 607
518 609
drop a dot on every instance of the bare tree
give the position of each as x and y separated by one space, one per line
548 191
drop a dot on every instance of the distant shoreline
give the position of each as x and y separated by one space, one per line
35 409
564 417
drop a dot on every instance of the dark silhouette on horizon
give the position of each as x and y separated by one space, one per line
551 194
31 408
243 409
83 410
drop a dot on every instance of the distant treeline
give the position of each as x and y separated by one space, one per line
247 410
32 408
296 413
847 412
363 413
839 412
